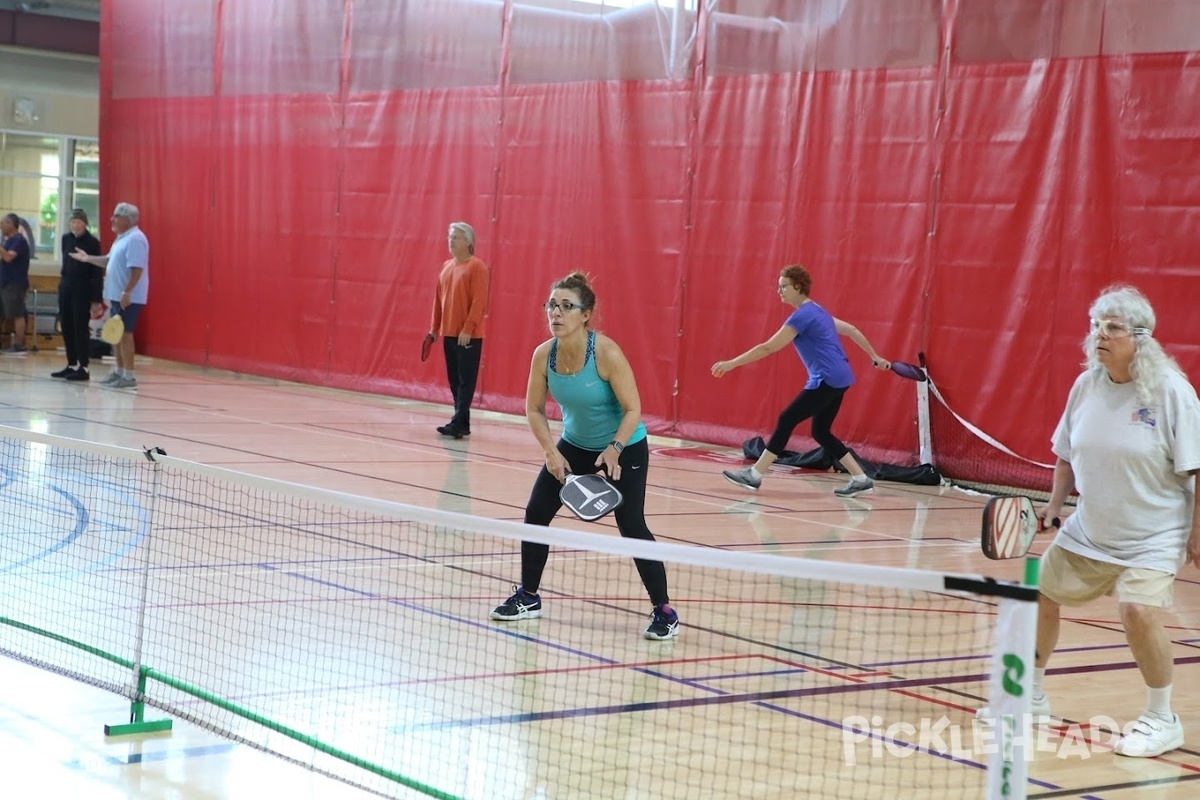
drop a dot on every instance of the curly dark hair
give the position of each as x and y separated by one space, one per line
799 277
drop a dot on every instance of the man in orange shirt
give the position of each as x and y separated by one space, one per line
459 312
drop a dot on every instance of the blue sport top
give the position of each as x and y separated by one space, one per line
820 348
590 409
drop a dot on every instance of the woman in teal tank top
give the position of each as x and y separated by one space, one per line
589 377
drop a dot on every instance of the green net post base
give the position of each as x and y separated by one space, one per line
132 728
137 711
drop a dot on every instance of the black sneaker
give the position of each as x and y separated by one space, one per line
447 429
522 605
80 374
62 373
664 624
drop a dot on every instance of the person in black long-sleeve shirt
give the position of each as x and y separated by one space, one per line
80 286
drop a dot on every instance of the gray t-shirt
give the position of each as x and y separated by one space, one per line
1131 466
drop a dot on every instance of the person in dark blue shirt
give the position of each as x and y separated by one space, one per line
79 288
14 278
815 334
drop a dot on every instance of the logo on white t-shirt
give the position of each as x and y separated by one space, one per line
1144 416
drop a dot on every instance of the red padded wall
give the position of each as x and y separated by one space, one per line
961 178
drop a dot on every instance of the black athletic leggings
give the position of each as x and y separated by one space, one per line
631 516
822 404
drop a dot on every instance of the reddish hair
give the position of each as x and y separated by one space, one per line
799 278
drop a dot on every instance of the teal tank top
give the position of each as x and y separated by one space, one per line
590 410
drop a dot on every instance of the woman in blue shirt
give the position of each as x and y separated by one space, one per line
815 335
592 382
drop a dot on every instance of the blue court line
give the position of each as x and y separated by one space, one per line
81 514
158 756
81 520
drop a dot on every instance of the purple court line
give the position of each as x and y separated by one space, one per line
814 542
830 665
695 702
717 696
1115 787
442 615
951 757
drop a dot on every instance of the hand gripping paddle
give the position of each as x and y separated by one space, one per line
1009 525
113 329
910 371
589 497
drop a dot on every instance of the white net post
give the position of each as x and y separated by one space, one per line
1012 744
138 675
924 438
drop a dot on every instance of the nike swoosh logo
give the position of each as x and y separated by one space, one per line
590 385
639 466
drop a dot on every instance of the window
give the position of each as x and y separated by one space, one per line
42 178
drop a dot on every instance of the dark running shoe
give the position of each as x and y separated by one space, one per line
80 374
664 624
62 373
522 605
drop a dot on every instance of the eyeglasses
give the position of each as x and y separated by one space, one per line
1111 329
566 307
783 287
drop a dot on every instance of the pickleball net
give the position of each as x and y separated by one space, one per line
351 636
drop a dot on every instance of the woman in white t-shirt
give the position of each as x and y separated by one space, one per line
1129 442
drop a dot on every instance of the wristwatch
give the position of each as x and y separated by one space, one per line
615 445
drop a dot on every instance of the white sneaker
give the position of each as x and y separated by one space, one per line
1039 706
1150 736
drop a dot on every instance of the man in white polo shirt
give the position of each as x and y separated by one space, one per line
126 286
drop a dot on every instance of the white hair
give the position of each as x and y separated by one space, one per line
467 231
1150 362
127 210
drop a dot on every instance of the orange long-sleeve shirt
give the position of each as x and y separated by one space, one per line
462 298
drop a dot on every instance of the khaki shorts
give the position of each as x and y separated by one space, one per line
1070 579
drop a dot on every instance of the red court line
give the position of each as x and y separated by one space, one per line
570 670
